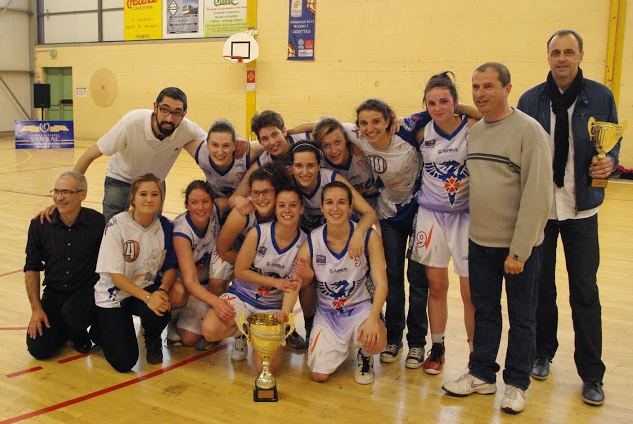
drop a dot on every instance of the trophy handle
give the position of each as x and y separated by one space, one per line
242 325
289 327
590 125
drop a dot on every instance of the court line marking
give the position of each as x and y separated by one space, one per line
72 358
26 371
38 169
14 328
10 272
29 156
112 388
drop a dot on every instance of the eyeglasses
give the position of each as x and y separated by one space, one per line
269 192
164 111
63 193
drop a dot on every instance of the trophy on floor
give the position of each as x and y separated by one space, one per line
266 335
605 135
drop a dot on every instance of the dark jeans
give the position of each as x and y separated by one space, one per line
118 336
394 240
582 257
116 195
485 265
69 315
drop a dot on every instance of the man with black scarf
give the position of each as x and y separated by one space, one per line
563 106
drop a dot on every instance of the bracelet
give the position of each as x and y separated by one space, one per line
162 289
147 298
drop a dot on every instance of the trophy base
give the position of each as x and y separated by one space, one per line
265 395
598 182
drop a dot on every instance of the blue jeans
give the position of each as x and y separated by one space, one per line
485 265
582 257
394 240
116 194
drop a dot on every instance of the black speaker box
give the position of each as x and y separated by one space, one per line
41 95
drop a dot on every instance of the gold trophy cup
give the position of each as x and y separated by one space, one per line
266 335
605 135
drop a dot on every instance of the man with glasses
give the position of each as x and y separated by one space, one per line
66 249
143 141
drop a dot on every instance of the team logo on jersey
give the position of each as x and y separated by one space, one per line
429 143
131 249
339 291
263 291
113 292
451 173
320 259
261 251
378 164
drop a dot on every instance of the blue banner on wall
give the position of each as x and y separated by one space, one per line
44 134
301 30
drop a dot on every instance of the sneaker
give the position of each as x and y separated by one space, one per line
239 349
173 338
203 345
296 341
540 370
365 371
513 401
154 346
414 358
390 353
468 384
433 363
592 393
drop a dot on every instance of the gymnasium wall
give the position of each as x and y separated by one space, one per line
363 48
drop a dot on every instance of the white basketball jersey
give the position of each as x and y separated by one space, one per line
137 252
396 170
271 261
444 175
341 280
266 157
224 183
312 215
357 171
202 244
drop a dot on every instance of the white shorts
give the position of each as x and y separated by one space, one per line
240 306
332 337
219 268
192 314
439 235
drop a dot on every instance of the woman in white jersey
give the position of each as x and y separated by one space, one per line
441 227
195 235
263 268
346 316
136 248
264 183
216 158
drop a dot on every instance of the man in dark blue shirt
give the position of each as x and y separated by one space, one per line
66 249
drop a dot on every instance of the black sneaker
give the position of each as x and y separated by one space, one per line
296 341
540 370
391 352
592 393
154 346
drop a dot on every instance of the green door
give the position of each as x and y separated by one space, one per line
61 81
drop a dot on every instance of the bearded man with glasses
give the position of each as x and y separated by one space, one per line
143 141
66 249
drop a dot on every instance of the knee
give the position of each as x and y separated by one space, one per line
217 286
320 378
178 295
38 350
122 361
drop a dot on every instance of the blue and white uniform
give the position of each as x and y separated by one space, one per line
441 226
192 314
138 253
270 261
266 157
223 183
357 171
312 216
343 300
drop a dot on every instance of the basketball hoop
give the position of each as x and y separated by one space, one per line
239 59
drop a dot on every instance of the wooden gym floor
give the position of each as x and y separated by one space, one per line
207 387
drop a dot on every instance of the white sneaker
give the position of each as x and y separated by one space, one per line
173 338
365 371
513 401
468 384
240 349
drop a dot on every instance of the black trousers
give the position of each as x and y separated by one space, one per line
69 315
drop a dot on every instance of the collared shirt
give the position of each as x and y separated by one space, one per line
67 255
564 204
